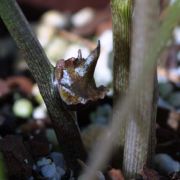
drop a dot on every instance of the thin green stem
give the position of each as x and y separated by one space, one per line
121 18
63 120
140 144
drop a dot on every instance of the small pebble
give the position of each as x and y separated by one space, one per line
165 89
165 164
57 159
43 161
55 49
39 113
175 71
82 17
55 19
45 34
59 173
174 99
26 161
49 170
164 104
22 108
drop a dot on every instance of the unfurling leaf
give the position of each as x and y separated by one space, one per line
74 79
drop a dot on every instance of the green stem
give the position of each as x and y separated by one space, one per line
140 134
121 18
63 121
137 147
103 151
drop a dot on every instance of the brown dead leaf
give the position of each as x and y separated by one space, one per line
75 81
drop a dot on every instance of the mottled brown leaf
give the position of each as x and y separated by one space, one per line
74 79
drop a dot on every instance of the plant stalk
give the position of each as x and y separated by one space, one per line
121 19
140 132
64 122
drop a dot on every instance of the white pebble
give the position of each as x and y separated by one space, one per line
55 19
45 34
39 113
22 108
83 17
55 49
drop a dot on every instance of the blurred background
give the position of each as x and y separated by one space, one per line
62 28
